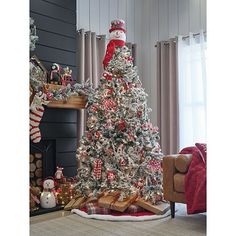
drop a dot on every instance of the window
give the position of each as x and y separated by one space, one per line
192 90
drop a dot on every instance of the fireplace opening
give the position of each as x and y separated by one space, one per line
42 161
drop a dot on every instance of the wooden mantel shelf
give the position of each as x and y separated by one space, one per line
73 102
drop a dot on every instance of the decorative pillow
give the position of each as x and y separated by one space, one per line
202 149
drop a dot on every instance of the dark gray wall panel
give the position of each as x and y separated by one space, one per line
67 4
66 159
55 55
53 25
55 40
70 171
66 145
57 130
53 11
60 115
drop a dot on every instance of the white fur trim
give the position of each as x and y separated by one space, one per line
119 218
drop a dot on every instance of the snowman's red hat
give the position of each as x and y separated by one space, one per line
117 25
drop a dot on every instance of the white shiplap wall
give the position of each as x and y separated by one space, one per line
147 21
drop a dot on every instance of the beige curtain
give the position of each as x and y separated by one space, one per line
90 52
167 96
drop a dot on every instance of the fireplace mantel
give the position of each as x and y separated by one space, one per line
73 102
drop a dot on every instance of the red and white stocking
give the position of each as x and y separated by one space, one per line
35 118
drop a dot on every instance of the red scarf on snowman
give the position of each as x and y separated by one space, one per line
111 49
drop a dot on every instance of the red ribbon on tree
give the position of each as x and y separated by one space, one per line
97 171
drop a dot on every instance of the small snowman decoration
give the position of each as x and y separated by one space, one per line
117 39
48 197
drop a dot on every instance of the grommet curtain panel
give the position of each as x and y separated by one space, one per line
192 89
90 52
167 96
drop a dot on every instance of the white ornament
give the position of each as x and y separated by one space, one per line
48 198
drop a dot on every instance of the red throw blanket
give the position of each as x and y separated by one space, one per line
195 180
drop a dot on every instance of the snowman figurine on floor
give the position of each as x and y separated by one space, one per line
48 197
117 39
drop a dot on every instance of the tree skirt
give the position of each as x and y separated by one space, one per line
140 216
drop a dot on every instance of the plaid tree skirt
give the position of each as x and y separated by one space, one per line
93 208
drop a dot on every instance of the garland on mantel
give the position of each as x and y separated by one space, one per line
43 93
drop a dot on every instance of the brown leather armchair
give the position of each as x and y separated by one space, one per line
174 169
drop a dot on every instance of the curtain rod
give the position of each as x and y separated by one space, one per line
184 37
86 33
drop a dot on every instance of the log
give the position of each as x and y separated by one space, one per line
39 182
31 157
39 172
31 174
39 163
32 167
38 155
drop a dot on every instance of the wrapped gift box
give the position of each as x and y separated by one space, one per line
159 209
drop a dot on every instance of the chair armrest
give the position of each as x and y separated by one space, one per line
169 170
173 164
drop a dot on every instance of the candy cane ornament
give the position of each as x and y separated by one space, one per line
97 171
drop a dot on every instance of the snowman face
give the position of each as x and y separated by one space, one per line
49 183
118 35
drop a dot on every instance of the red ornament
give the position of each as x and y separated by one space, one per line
139 114
154 165
97 171
122 162
131 136
93 108
97 135
122 125
89 136
130 58
110 176
49 96
107 76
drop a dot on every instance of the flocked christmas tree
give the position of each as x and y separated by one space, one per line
120 149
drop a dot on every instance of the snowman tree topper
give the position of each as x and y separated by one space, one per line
117 39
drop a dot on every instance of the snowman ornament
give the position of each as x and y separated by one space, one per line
117 39
48 196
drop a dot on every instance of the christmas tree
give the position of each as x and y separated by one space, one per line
120 149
